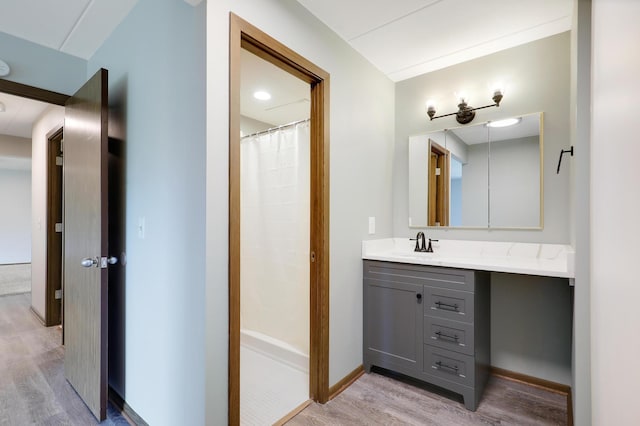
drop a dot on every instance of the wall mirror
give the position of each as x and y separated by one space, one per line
478 176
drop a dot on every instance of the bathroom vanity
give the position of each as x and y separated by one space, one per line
427 315
429 323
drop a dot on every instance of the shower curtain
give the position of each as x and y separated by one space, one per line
274 234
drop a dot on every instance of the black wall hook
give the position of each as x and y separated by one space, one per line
562 152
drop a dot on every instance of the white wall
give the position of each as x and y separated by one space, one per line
615 203
15 216
580 207
50 120
362 123
15 193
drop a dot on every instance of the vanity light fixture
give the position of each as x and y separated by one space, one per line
465 113
504 123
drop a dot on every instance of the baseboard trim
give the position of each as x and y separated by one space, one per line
293 413
125 409
37 315
548 385
346 381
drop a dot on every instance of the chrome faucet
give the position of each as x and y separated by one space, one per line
420 238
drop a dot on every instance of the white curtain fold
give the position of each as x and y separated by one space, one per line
275 230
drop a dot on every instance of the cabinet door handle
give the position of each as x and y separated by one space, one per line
441 335
419 296
442 366
447 306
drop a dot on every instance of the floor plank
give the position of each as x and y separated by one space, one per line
33 389
375 399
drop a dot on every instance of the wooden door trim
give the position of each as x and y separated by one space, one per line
52 311
442 198
30 92
244 35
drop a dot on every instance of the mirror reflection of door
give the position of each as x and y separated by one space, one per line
438 204
274 241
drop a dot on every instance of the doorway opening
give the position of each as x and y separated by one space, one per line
438 185
247 38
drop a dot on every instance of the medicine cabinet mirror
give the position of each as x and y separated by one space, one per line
478 176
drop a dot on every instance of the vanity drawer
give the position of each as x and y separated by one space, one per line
447 334
454 279
448 365
448 304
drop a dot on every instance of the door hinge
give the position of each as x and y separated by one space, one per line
61 145
437 171
58 294
58 227
58 160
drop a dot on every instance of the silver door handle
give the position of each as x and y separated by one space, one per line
88 262
112 260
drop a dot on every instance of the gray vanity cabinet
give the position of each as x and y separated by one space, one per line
429 323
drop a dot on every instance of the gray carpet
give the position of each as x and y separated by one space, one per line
15 278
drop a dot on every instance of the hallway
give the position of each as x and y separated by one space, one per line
33 389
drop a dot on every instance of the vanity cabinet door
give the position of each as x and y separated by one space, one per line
393 325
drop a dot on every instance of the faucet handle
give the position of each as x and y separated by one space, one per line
417 240
430 249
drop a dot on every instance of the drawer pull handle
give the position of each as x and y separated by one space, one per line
447 306
419 296
441 335
441 366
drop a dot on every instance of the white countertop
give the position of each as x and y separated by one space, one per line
551 260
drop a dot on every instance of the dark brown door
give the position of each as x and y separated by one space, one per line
85 242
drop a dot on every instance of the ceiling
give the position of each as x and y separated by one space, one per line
19 115
406 38
403 38
290 96
76 27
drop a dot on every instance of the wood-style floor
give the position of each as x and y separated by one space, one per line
33 389
375 399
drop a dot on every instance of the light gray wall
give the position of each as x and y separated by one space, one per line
580 207
540 347
250 125
475 184
361 132
537 76
15 216
514 183
41 66
614 203
156 63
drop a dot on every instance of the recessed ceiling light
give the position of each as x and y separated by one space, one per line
262 95
4 68
504 123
